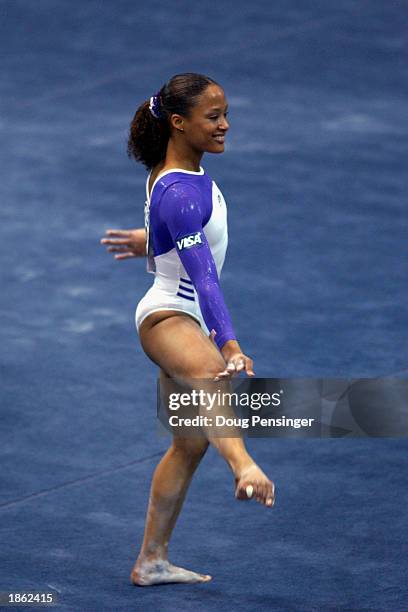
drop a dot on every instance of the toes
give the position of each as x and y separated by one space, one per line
241 492
262 492
270 498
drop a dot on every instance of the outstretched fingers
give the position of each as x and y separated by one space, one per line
236 365
128 243
119 232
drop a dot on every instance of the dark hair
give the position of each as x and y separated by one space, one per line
148 136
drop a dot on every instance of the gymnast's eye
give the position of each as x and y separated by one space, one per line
216 116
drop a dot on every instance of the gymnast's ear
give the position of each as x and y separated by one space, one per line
177 122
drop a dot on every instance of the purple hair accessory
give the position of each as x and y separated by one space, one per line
154 106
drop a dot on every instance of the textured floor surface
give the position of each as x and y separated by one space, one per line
314 175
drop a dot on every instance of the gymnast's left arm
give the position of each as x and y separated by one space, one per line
125 243
181 210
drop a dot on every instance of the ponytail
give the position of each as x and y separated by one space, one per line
150 128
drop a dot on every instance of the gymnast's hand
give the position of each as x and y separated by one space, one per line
236 360
127 243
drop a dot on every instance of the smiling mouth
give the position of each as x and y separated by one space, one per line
219 138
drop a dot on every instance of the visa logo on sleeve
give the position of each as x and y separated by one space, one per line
189 241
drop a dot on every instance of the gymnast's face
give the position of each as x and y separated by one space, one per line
204 130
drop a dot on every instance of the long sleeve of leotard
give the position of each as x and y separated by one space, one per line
181 209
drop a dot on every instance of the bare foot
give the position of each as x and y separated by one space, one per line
162 571
253 480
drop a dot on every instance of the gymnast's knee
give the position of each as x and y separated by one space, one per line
193 449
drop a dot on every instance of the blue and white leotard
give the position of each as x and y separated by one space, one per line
186 224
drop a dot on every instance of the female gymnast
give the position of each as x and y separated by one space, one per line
183 323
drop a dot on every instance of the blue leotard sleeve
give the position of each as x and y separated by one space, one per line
181 209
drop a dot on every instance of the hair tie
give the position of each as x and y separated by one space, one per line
154 106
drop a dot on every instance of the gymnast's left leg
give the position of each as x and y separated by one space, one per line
169 487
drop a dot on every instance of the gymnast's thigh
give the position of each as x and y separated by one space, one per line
176 343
